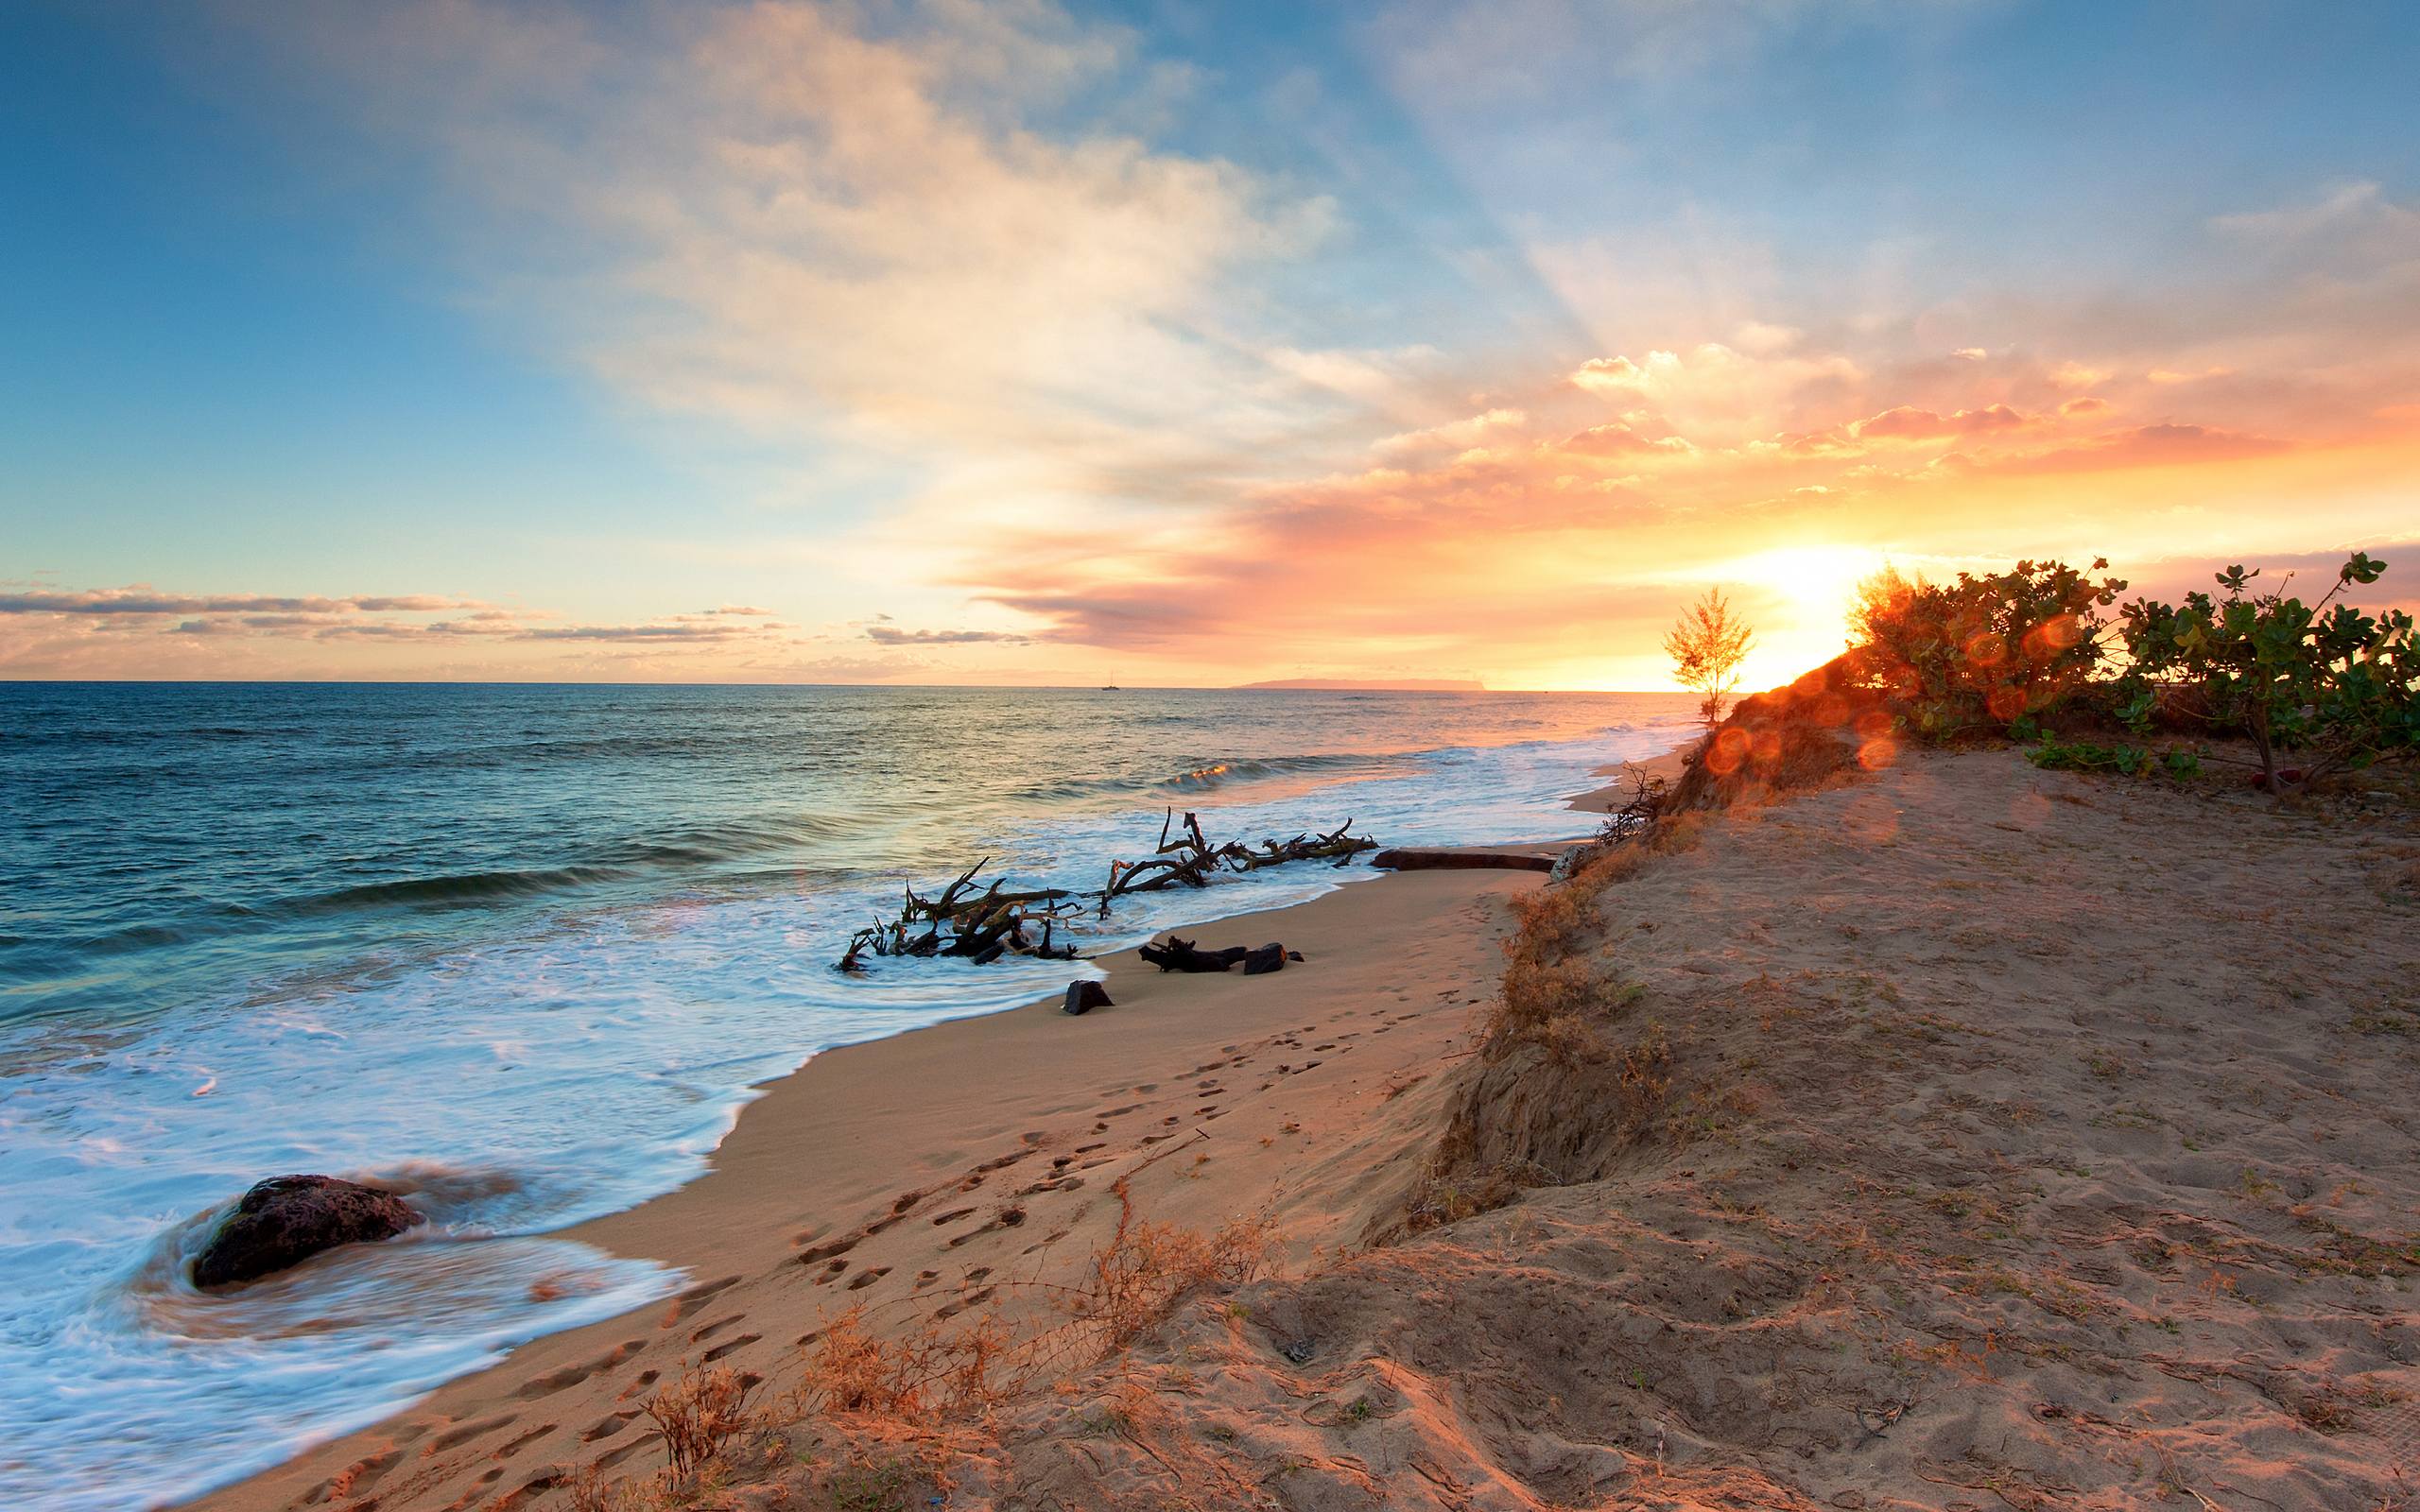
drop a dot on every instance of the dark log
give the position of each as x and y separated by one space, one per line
1082 997
1180 956
1269 958
1461 861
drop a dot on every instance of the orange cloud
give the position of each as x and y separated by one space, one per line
2161 445
1907 422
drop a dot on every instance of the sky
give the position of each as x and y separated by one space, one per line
1170 343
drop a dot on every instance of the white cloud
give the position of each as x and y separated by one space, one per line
1717 390
862 224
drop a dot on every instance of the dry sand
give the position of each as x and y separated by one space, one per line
2029 1140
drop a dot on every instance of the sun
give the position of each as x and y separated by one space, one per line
1799 598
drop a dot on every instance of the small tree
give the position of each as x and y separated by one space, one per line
2342 687
1706 646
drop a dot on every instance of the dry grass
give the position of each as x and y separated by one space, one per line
1148 1268
876 1418
1555 996
699 1413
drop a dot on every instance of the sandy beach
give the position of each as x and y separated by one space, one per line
1961 1136
910 1172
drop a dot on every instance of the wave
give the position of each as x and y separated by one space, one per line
734 838
1211 772
462 890
538 751
1248 768
688 845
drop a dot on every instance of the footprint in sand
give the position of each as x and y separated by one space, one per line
701 1334
949 1310
607 1426
868 1276
952 1216
519 1439
536 1485
688 1301
721 1349
356 1478
455 1439
614 1456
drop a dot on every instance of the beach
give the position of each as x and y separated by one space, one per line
886 1172
524 954
1999 1146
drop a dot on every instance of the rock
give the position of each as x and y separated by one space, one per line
1082 997
287 1219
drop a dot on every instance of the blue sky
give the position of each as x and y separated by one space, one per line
1014 342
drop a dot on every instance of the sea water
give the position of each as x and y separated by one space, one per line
525 951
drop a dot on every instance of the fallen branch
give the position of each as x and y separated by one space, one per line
983 924
1637 815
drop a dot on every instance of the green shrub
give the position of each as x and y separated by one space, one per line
2340 688
2054 754
1986 652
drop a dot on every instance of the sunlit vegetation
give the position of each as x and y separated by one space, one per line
1708 645
876 1416
2340 689
2312 689
1982 652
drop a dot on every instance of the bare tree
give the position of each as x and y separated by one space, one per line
1706 646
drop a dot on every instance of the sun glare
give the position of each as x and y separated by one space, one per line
1799 599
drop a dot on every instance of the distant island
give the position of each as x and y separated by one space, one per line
1364 685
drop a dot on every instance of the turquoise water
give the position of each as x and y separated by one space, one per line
526 950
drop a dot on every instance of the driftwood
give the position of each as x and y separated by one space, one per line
982 925
1191 860
1082 997
1184 956
1461 861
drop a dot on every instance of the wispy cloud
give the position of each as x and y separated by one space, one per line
143 600
891 635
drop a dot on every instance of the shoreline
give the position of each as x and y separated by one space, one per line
990 1091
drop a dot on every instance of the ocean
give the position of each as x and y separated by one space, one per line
526 950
